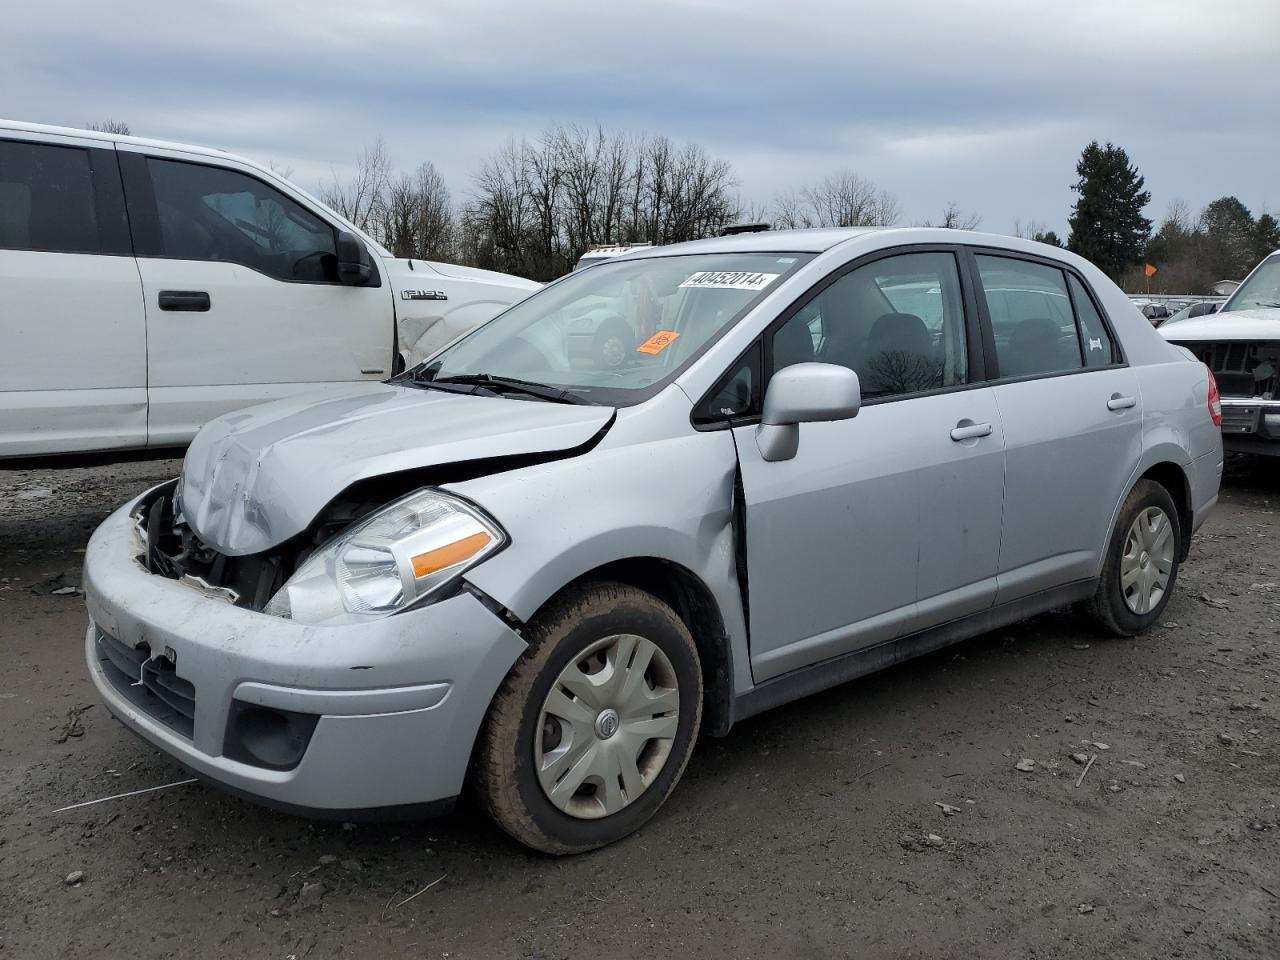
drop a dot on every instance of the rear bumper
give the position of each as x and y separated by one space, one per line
381 715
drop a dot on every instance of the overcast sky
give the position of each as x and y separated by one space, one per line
985 102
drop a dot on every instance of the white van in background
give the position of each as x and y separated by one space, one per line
148 287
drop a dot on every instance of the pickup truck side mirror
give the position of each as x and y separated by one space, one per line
355 266
804 393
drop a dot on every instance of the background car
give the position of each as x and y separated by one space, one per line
147 287
1240 343
1191 311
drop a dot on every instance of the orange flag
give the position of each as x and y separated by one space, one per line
1149 270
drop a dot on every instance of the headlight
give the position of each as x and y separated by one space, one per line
388 561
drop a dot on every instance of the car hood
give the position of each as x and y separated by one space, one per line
1261 324
255 478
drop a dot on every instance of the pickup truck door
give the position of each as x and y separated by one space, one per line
73 368
243 303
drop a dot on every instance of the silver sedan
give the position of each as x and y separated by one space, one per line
813 454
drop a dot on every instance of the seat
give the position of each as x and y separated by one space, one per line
1036 345
900 356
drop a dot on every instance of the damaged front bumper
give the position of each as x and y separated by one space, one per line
1251 425
332 721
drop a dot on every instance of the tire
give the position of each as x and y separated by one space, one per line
1118 604
612 346
525 746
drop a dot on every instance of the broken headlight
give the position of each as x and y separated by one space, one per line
388 560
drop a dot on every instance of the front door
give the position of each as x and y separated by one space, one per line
242 297
890 521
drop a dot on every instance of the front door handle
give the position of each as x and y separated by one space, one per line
194 301
1118 402
968 430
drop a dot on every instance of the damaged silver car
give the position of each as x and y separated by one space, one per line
1240 343
545 571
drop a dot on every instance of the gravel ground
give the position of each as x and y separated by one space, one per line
805 833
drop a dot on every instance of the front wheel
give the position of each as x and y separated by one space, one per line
591 730
1141 565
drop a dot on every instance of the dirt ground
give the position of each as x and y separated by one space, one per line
805 833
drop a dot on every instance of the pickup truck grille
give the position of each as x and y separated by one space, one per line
1243 369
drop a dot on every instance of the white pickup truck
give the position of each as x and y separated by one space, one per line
148 287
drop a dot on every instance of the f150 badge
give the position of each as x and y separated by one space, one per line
423 295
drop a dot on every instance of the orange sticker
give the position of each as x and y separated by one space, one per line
658 342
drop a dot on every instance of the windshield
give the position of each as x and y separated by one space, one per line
1260 289
619 332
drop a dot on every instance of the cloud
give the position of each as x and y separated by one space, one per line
986 102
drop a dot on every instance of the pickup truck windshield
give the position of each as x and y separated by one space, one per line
619 332
1260 289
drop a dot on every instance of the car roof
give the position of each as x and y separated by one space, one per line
822 239
22 126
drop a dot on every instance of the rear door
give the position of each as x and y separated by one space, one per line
243 303
1072 418
73 364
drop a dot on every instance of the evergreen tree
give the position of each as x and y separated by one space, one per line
1107 225
1228 229
1048 237
1266 236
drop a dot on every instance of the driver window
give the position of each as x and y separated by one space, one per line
211 213
897 322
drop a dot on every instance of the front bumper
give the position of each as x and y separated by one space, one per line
1251 425
389 709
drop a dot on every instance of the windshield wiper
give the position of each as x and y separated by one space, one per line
498 385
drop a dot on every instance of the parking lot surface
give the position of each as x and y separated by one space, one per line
885 818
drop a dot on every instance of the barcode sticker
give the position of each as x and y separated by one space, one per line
731 280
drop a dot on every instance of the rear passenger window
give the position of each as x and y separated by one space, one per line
211 213
1098 349
47 199
1031 317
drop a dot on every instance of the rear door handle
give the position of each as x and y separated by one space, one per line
967 430
194 301
1118 402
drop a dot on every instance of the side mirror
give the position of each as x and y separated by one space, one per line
804 393
355 266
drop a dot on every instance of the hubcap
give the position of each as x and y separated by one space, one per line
1147 561
607 726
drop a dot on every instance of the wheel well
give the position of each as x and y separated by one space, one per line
693 602
1171 477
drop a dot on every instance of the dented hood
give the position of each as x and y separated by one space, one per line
1260 324
255 478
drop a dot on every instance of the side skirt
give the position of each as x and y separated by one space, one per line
837 670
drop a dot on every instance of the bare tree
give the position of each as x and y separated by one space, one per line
360 199
953 218
417 216
537 207
842 199
110 126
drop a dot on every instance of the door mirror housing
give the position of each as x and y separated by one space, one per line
804 393
355 266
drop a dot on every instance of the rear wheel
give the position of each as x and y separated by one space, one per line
1141 565
591 730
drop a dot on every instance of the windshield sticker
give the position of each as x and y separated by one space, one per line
731 280
658 342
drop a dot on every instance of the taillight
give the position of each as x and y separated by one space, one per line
1215 400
